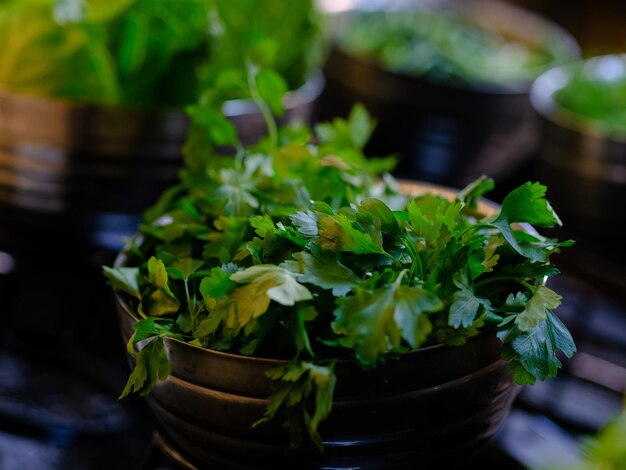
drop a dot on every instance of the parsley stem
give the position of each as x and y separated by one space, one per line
415 258
398 280
266 112
190 307
239 155
417 265
474 227
502 278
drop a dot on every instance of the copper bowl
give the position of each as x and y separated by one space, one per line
89 171
434 405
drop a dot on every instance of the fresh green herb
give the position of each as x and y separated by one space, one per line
152 363
608 449
154 52
604 451
444 46
295 383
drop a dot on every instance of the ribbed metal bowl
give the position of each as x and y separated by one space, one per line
584 168
444 132
87 170
433 406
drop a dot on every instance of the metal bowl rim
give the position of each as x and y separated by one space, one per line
341 402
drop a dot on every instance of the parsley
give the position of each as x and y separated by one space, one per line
294 385
300 251
376 322
152 363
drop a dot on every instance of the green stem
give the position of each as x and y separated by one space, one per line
415 257
417 265
474 227
190 307
503 278
266 112
398 280
239 157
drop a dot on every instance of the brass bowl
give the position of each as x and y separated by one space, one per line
433 405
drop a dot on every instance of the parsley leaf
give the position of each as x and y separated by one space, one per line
351 133
433 219
543 300
159 300
263 284
465 305
221 130
533 353
303 314
525 204
124 279
306 223
216 285
149 327
152 364
339 233
323 270
294 384
374 322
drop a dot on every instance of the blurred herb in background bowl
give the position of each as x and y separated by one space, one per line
595 92
149 53
443 46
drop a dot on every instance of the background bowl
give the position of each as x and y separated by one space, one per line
87 172
584 168
446 133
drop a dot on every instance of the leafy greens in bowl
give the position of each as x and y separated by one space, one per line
296 250
445 45
151 53
593 92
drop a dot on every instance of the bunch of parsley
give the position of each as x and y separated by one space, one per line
296 249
